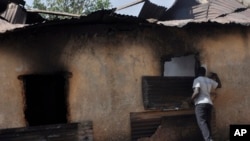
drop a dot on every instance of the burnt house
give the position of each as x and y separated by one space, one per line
111 77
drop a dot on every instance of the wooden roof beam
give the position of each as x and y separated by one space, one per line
130 4
55 13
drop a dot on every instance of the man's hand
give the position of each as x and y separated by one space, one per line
215 77
190 102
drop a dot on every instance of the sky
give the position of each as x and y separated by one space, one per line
133 10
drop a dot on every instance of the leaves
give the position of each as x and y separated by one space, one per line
37 4
72 6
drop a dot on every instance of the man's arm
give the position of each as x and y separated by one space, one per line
195 93
215 77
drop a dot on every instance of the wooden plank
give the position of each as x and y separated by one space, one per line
54 13
129 4
156 114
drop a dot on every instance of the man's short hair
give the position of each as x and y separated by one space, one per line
201 71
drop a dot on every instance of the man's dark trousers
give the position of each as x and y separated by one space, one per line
203 114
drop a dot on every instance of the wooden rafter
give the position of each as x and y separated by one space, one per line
130 4
54 13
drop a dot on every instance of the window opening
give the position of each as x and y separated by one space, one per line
45 98
180 66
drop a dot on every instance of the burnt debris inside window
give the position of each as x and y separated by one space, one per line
45 98
170 90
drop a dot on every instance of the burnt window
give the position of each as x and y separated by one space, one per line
45 98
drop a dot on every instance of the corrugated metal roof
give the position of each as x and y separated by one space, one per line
145 124
217 8
180 10
229 19
218 11
242 17
151 10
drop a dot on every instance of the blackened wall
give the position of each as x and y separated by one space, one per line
107 63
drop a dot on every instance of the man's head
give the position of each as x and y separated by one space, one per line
201 71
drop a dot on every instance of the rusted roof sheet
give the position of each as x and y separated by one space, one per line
180 10
217 11
145 124
217 8
241 17
220 20
151 10
61 132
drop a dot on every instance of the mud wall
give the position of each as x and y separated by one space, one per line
106 72
227 53
106 82
107 66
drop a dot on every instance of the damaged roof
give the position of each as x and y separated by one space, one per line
222 11
217 11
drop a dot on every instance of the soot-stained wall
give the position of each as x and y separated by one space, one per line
107 63
225 50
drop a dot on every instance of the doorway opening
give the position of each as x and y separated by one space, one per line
45 98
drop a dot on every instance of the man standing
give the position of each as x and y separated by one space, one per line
203 86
